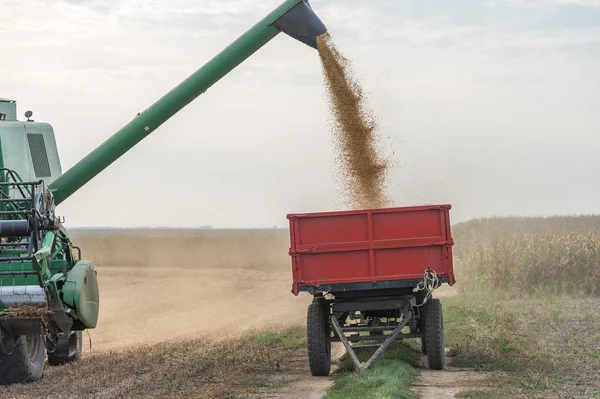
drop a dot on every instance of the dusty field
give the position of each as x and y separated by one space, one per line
179 311
170 284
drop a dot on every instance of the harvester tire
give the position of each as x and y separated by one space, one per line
434 334
68 349
22 358
318 337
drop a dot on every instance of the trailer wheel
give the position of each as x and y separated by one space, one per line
68 349
21 358
420 297
318 337
434 334
421 327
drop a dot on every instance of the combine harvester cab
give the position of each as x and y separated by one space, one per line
48 295
372 274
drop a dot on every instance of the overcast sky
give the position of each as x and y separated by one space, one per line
491 106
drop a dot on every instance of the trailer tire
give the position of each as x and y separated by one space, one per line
22 358
434 334
318 337
68 349
421 327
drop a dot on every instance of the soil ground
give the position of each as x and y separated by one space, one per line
445 384
169 296
164 285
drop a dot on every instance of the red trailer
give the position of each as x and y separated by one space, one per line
372 273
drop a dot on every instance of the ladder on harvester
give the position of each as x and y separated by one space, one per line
24 211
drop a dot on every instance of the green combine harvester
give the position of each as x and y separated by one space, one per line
48 293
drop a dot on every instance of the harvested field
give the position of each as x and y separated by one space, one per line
179 315
263 364
173 284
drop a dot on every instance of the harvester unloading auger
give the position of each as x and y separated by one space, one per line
48 294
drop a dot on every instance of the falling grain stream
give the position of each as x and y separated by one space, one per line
363 169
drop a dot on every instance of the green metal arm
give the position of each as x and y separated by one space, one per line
294 17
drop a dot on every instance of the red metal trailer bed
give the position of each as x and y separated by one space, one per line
372 271
359 249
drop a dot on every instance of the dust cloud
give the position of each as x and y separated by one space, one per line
363 169
175 284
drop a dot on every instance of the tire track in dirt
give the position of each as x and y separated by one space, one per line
447 383
302 384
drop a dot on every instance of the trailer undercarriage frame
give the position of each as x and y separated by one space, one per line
374 323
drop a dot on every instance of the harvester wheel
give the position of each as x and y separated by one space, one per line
21 358
68 349
434 334
318 337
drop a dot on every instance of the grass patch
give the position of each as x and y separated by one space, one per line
289 338
482 334
549 345
391 376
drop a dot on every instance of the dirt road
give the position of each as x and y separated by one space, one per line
445 384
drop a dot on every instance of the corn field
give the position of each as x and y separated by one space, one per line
555 255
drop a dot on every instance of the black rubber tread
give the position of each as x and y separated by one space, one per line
15 365
63 353
421 326
434 334
318 337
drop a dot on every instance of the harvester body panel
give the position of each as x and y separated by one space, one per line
29 148
80 291
8 110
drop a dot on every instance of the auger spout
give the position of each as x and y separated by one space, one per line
293 17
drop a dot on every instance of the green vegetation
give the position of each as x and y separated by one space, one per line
290 338
389 377
546 346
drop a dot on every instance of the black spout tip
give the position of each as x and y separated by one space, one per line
301 23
